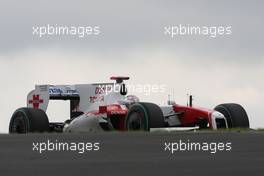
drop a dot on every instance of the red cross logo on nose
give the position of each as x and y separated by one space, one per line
35 101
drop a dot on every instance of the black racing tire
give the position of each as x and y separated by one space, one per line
143 116
29 120
235 114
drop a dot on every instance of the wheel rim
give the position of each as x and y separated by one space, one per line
135 121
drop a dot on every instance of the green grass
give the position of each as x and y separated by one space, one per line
260 129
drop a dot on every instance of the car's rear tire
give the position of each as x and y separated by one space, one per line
28 120
235 114
143 116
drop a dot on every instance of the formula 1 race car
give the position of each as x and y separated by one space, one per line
106 106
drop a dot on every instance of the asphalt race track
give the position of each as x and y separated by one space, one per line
133 154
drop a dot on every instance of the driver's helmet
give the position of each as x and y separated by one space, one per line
132 98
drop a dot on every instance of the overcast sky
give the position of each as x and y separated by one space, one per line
227 68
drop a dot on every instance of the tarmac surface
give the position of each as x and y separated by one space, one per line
133 154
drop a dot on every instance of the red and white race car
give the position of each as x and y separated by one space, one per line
106 106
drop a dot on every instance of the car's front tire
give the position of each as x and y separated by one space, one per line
29 120
235 114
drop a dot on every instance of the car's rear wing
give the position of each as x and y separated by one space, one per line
82 95
63 92
40 96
